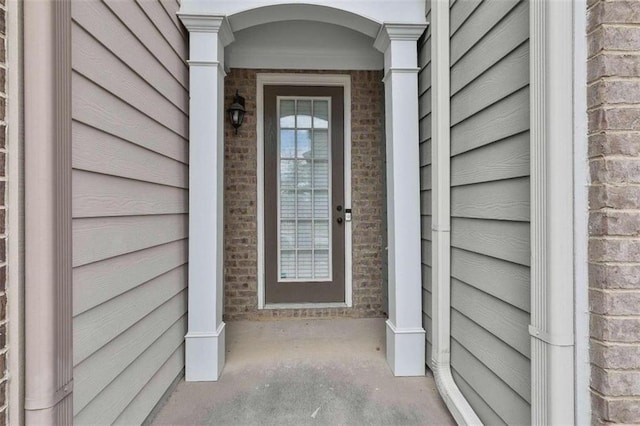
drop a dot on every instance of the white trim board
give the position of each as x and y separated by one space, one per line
15 214
581 210
343 80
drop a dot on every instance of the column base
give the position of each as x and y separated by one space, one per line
406 350
205 355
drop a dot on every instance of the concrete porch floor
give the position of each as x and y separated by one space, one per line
303 372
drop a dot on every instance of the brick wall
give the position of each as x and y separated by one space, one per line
3 231
614 248
241 238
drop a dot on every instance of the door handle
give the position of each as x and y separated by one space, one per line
339 220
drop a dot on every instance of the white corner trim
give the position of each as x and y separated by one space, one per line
581 209
441 349
343 80
552 216
15 213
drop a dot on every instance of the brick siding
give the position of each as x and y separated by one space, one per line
3 229
4 377
614 220
241 235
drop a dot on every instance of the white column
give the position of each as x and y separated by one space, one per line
405 335
205 339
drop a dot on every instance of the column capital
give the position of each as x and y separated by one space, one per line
199 23
403 31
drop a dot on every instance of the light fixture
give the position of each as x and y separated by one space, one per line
236 111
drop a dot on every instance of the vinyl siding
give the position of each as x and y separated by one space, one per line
130 205
424 89
490 302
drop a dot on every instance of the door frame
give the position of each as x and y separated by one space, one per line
285 79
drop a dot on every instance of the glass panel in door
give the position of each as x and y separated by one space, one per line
304 189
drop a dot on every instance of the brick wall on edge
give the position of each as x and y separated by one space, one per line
3 216
3 230
614 222
241 235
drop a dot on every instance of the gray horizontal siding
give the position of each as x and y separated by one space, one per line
100 22
424 90
130 206
510 366
502 39
480 22
99 152
490 255
482 409
506 403
494 315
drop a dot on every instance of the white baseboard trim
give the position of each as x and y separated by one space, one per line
405 350
205 355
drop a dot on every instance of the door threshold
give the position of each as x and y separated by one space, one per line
305 305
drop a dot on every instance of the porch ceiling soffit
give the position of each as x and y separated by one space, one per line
316 46
304 12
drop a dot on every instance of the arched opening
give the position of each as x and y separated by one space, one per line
304 12
307 45
324 219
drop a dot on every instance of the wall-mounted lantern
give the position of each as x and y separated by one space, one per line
236 111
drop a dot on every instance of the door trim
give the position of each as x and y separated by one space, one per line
341 80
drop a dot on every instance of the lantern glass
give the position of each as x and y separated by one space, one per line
237 117
236 111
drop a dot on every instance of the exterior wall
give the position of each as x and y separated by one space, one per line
490 208
130 204
241 238
614 221
424 90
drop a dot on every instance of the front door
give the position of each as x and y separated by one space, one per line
304 194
